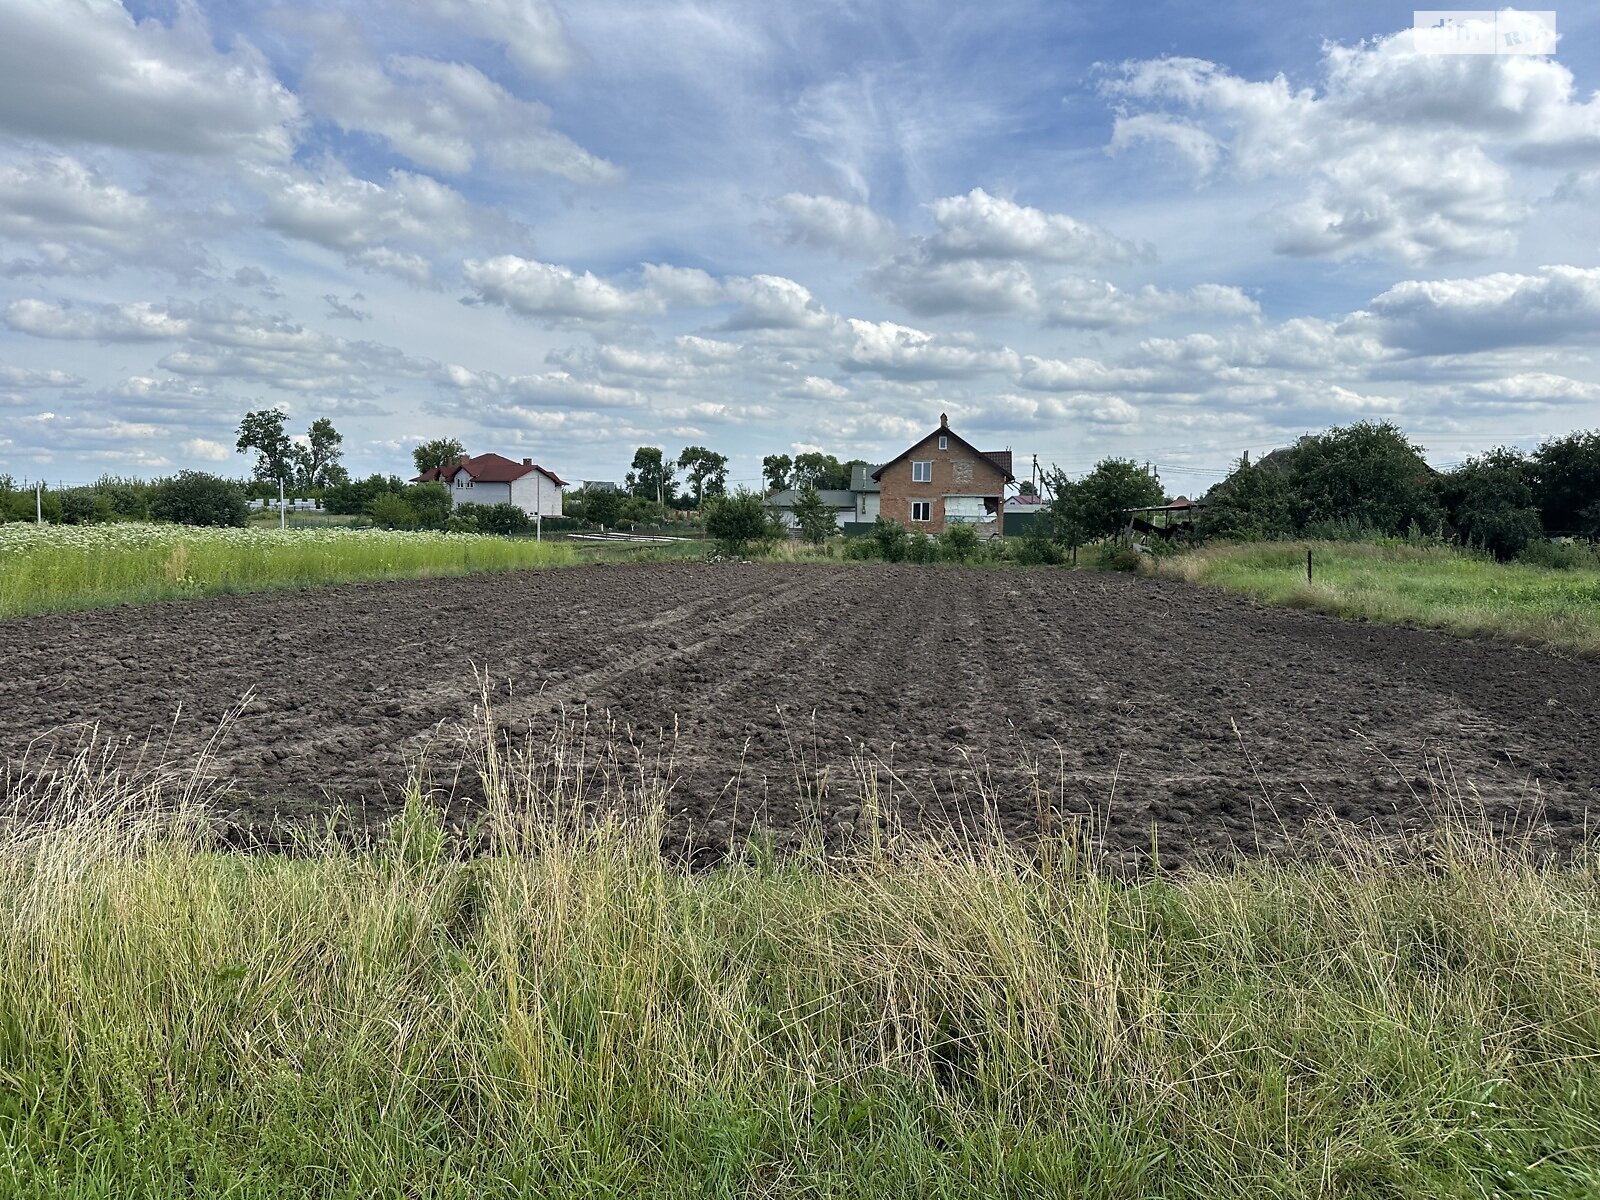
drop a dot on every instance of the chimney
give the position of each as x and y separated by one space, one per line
527 462
944 420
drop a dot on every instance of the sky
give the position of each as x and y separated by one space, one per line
1171 232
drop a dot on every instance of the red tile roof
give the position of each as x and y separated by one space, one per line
489 468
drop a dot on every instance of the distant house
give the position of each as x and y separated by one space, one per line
841 501
866 491
495 479
943 480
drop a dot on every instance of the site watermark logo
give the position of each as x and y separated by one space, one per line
1483 31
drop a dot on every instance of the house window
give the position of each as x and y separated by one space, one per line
922 510
460 483
944 442
922 472
469 482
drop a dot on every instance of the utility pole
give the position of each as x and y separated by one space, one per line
283 516
538 507
38 502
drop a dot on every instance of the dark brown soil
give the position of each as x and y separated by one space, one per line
1139 703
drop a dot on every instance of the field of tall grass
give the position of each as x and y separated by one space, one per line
46 568
1420 585
563 1012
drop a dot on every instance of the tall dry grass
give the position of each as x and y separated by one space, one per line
563 1012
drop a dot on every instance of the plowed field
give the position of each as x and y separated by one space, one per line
1142 703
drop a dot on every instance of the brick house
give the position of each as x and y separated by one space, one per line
942 480
495 479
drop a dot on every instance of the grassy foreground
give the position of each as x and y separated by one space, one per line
55 567
570 1016
1434 586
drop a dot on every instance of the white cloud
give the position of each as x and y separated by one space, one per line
28 377
899 351
1081 303
1557 304
376 226
530 30
136 322
440 115
935 288
86 71
772 302
979 225
1394 157
552 291
828 223
204 448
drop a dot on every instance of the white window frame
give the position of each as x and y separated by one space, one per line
469 481
944 442
926 506
922 472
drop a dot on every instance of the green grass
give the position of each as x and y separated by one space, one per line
567 1015
1433 586
52 568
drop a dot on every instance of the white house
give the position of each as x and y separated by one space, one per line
843 504
495 479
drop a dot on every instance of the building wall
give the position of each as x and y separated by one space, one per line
957 471
479 493
785 513
537 494
867 506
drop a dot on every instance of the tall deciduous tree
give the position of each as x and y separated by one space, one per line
437 453
652 477
263 432
316 459
1492 502
775 470
1097 505
707 471
1568 488
1366 476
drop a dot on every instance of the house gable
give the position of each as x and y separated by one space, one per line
926 487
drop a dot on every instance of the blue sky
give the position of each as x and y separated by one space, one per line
1174 232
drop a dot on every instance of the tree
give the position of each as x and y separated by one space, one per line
195 498
819 470
1251 504
817 521
263 432
1097 505
316 459
736 520
775 470
431 502
1366 476
1027 488
652 477
602 506
436 453
390 511
1567 481
708 472
1492 503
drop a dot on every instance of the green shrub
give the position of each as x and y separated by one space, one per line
738 519
390 511
504 519
1035 550
860 549
890 539
958 543
82 506
1120 558
430 502
196 498
920 548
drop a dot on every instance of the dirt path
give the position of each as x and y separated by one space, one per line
1139 701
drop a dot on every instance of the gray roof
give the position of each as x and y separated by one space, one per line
833 498
861 479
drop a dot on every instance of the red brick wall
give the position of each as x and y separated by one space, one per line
957 471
